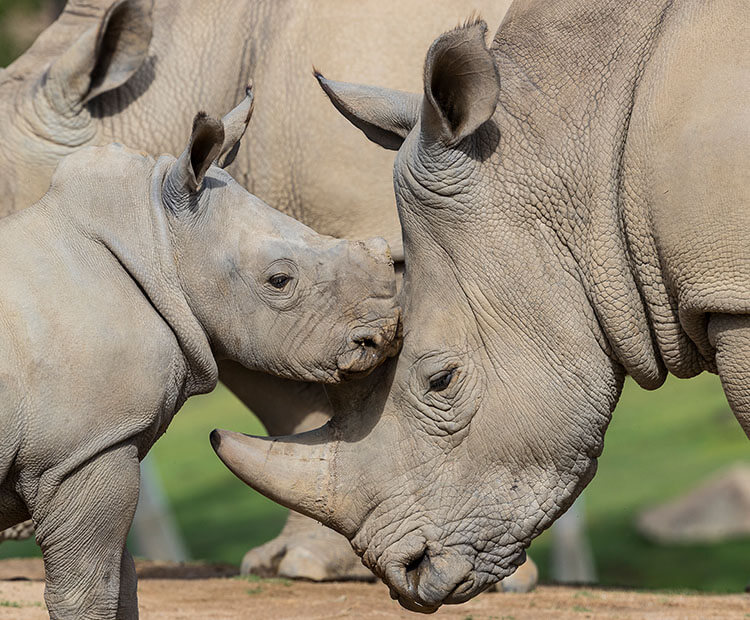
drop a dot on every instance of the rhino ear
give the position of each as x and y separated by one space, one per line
103 58
235 124
461 84
186 175
385 116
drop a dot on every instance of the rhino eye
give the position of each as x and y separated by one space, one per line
279 280
441 380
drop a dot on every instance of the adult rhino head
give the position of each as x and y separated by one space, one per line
47 101
521 314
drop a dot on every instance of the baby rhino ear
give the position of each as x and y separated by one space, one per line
206 140
235 124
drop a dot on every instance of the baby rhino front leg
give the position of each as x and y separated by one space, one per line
729 334
82 528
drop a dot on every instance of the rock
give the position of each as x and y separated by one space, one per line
717 510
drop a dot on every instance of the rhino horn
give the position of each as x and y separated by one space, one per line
295 471
235 124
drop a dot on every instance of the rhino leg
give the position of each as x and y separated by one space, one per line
524 580
127 606
304 549
82 527
729 334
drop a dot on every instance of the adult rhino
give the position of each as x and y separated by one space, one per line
575 208
121 70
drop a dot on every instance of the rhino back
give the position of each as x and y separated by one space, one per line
302 155
299 156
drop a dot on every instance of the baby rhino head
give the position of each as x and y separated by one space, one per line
271 293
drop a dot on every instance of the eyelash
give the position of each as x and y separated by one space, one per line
442 380
279 276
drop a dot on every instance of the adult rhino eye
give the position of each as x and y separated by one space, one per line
279 280
441 380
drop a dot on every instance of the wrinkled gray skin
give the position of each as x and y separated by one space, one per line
575 208
302 157
121 288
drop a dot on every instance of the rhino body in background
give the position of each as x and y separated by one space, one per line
130 73
120 289
575 207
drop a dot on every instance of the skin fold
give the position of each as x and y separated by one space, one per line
574 207
122 287
124 71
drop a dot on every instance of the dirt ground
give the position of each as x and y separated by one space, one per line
213 592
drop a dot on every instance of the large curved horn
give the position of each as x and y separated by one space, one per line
295 471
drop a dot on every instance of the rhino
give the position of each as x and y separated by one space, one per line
121 288
115 71
575 209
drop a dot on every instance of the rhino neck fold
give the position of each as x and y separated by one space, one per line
141 243
569 76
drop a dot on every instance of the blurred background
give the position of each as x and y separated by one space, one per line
660 445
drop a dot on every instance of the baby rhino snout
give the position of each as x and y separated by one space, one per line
377 317
374 256
378 249
370 345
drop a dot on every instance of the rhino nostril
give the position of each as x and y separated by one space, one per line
368 339
367 343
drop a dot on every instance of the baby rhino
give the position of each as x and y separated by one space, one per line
119 290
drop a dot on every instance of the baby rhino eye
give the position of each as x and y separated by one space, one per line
279 280
441 380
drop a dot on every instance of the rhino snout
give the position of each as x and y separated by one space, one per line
429 580
370 345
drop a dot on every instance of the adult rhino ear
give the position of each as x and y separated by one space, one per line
385 116
103 58
235 124
461 84
186 175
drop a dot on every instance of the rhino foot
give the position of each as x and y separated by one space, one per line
523 580
306 550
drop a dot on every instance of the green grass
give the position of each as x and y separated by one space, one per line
10 604
220 516
659 445
10 47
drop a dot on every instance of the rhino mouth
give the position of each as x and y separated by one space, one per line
429 581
